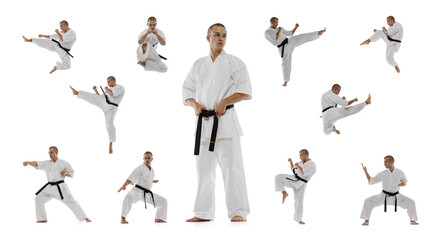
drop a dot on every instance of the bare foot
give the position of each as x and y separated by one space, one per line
197 219
365 42
144 47
366 223
160 221
301 222
238 219
110 148
335 130
322 31
42 221
87 220
26 39
141 63
284 196
368 100
74 92
285 83
397 69
53 70
414 222
123 221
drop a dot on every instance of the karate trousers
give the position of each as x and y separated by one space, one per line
378 200
151 58
334 114
51 192
392 47
228 154
294 42
136 195
109 111
298 187
53 46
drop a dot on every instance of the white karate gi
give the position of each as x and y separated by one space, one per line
334 114
69 38
108 109
293 42
298 187
53 171
151 57
394 32
143 177
208 83
390 181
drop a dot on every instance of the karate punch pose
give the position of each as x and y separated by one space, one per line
302 173
213 85
392 179
61 42
146 52
331 113
56 171
143 177
108 102
278 36
392 37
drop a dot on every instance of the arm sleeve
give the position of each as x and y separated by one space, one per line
117 91
42 165
54 36
240 76
69 36
270 36
69 169
161 34
309 170
378 178
403 178
189 86
135 175
287 33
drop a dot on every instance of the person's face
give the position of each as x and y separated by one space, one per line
52 153
303 156
390 22
148 158
63 27
110 82
337 91
274 24
388 163
152 24
217 38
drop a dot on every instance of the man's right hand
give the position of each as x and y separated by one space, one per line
198 108
290 160
364 168
122 188
25 164
94 88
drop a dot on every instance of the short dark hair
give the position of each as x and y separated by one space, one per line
389 157
305 152
65 22
391 18
151 19
148 152
336 86
273 19
112 78
55 148
210 29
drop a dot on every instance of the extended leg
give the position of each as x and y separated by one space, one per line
130 198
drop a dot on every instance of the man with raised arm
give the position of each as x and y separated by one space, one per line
56 171
60 42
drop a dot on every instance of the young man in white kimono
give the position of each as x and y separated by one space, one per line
331 113
108 102
392 37
143 178
146 52
213 85
61 42
56 171
302 173
278 36
392 179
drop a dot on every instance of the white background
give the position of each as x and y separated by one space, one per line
39 110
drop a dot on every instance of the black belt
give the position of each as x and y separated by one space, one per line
389 194
162 57
106 98
283 43
393 40
52 184
146 191
327 108
207 114
65 49
297 177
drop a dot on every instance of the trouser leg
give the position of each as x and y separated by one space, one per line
40 201
161 205
109 121
409 204
229 155
298 202
43 43
369 204
70 202
390 52
65 60
130 198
